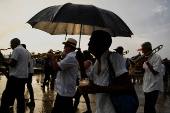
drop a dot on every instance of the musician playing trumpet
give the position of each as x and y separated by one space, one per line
153 79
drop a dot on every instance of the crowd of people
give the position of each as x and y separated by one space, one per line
76 65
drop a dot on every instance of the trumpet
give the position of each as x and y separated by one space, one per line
126 52
44 55
149 54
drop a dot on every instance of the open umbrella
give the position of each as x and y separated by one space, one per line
79 19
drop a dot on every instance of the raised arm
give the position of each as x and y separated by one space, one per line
53 62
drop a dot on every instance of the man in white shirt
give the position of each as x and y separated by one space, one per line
18 75
66 78
29 80
99 44
153 79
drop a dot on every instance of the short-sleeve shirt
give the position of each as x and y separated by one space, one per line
21 55
103 102
88 70
153 82
66 78
163 69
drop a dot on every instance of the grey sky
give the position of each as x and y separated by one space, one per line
149 20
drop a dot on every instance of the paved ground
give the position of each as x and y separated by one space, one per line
44 99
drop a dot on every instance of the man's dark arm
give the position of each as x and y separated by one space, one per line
151 68
124 87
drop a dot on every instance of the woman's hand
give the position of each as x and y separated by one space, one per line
91 88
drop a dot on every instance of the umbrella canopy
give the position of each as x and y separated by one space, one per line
74 18
79 19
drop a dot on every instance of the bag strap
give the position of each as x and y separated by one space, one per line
111 69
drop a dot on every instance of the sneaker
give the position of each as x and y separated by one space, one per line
88 111
30 104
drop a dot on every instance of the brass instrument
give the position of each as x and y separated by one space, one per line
44 55
126 52
3 68
149 54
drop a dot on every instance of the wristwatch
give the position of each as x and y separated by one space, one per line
146 62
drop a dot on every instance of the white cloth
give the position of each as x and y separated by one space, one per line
66 78
163 69
153 82
88 70
103 102
124 60
21 55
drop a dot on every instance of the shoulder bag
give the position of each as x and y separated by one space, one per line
123 103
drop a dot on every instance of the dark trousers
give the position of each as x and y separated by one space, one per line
63 104
29 86
14 89
77 100
150 101
49 71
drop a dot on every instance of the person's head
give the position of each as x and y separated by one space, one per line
146 47
14 43
24 45
70 45
50 51
86 55
119 50
99 42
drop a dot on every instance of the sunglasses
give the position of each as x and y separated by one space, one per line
66 46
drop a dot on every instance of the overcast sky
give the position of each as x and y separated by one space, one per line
149 20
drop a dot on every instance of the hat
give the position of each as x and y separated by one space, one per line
71 42
119 49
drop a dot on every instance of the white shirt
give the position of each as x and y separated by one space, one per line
88 70
163 69
66 79
124 60
103 102
153 82
21 55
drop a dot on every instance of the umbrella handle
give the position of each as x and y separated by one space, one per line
66 34
80 35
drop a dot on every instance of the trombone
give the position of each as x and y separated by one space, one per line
126 52
149 54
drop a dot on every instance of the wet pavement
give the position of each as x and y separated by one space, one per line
44 98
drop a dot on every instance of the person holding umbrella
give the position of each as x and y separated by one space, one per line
66 78
99 44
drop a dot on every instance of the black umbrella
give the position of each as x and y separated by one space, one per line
79 19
